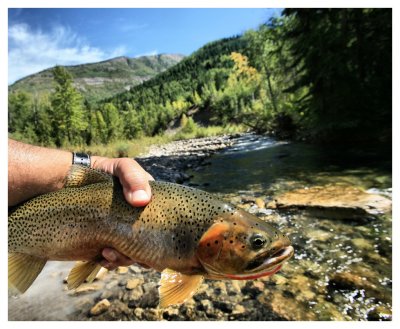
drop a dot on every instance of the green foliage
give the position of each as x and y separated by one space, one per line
344 58
198 131
68 114
318 73
19 112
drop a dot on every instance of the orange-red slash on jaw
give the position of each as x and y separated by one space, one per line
254 276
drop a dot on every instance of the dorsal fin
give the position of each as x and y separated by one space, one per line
81 176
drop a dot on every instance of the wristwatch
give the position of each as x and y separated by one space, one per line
82 159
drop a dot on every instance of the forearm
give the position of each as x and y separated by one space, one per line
34 170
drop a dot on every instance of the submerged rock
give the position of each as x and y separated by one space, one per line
380 313
333 201
260 203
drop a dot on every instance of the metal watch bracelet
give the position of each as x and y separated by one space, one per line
81 159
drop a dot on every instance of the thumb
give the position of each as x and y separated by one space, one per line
135 182
134 179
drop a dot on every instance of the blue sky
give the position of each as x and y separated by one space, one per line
41 38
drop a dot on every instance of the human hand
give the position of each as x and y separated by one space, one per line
135 183
134 179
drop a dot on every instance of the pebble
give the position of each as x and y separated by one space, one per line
279 279
260 203
238 309
133 283
135 295
102 274
362 244
100 307
85 288
122 270
220 287
138 313
171 313
205 305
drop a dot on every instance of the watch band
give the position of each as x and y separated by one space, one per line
81 159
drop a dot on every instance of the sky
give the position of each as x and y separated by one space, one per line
40 38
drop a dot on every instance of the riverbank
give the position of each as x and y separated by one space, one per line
341 269
169 162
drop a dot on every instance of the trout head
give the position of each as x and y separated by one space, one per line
240 246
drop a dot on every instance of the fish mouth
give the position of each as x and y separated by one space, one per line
265 266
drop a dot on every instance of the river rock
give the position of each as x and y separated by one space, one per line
139 313
100 307
133 283
219 288
287 308
380 313
171 313
86 288
333 201
361 243
238 309
260 203
122 270
102 274
351 281
205 305
253 288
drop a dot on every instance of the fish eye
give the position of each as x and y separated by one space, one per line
257 241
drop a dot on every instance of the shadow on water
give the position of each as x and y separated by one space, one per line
266 162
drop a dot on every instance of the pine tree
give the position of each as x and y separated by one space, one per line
68 114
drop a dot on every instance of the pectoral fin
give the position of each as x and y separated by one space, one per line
176 288
82 271
23 269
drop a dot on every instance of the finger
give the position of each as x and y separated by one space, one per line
109 266
113 258
135 182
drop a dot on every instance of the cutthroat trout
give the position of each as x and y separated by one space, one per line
185 233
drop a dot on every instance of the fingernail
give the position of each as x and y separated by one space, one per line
138 196
112 257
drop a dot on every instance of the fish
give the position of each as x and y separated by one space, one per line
185 233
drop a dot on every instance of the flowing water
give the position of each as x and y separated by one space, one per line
342 268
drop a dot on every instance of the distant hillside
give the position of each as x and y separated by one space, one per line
103 79
179 89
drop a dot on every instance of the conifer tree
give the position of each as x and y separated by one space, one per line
68 114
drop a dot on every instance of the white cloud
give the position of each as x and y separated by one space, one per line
32 51
149 53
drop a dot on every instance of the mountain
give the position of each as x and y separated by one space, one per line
103 79
188 85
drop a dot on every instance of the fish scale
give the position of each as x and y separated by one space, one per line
183 232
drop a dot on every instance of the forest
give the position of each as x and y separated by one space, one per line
320 75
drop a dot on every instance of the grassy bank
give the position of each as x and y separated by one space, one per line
135 147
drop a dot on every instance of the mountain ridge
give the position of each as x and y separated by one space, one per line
101 79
